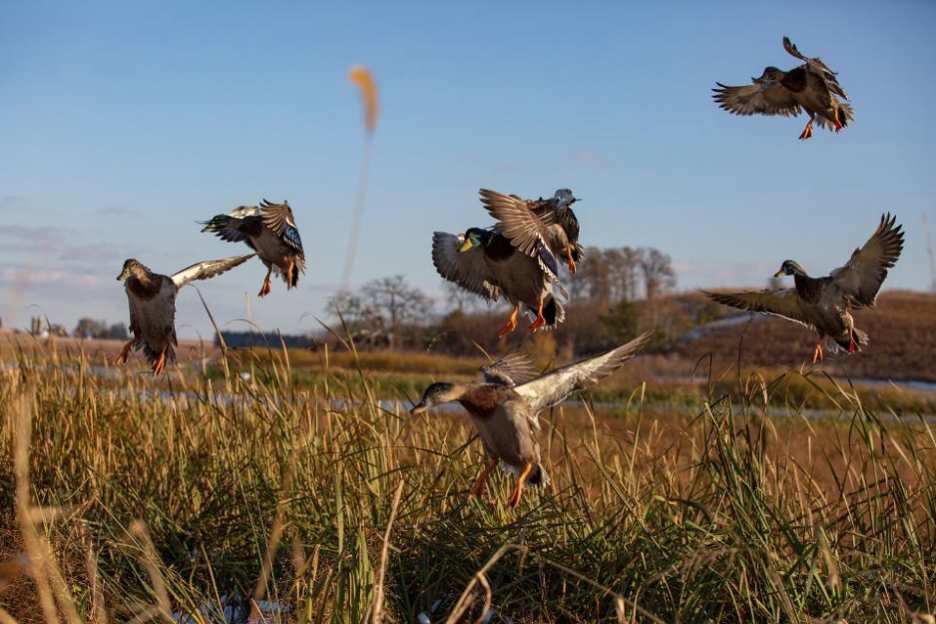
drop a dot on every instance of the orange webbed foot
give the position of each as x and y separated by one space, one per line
818 354
540 320
160 363
125 352
511 323
807 132
265 289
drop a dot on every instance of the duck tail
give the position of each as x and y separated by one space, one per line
538 476
152 355
553 311
857 335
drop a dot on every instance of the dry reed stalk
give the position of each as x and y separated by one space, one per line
384 555
364 80
50 586
150 561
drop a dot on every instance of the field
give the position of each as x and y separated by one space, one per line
309 494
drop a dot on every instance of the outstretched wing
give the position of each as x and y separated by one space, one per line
783 303
279 218
236 226
816 66
467 269
767 98
511 370
555 386
863 274
208 269
526 230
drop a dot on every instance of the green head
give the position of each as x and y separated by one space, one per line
771 74
475 237
437 394
790 268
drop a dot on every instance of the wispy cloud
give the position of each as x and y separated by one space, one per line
13 202
118 211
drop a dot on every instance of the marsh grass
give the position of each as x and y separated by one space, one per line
141 504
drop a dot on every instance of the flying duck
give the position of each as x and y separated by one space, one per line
532 223
812 87
823 304
270 230
486 263
152 306
505 408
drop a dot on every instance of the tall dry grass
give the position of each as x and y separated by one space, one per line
141 504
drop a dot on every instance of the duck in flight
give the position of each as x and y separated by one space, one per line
810 87
505 408
824 304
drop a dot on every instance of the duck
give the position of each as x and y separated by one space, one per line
505 408
548 221
824 304
270 230
810 87
486 263
152 298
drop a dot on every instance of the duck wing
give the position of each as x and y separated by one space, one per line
553 387
816 66
526 230
207 269
783 303
511 370
467 269
236 226
766 98
279 219
863 274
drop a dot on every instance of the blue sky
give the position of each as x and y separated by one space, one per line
123 123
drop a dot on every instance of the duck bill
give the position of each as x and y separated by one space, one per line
779 273
418 409
123 275
466 245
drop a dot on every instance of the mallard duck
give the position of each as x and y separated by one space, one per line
152 306
270 230
505 408
546 221
484 262
812 87
823 303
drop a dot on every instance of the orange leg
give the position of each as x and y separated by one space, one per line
853 346
807 132
289 275
515 497
818 354
511 324
540 320
125 352
838 123
478 488
265 289
160 363
572 266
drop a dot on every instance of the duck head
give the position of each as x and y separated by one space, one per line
475 237
132 268
771 74
564 197
789 268
437 394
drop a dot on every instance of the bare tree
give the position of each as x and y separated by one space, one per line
658 274
383 309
